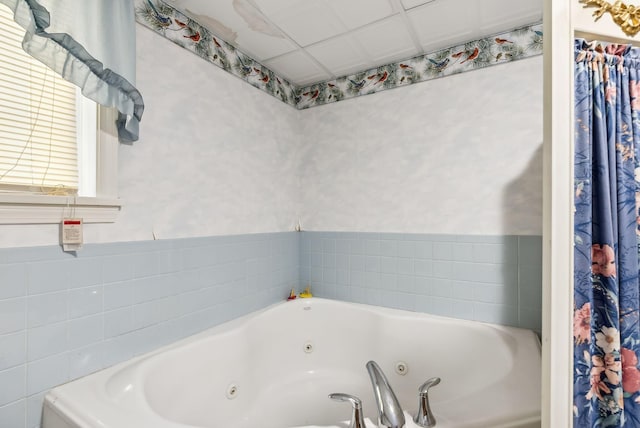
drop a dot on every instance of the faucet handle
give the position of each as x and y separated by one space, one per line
357 420
424 417
424 388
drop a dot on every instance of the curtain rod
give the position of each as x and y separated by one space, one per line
590 35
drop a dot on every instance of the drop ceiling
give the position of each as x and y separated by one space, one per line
310 41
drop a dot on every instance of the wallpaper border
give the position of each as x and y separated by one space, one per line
190 35
521 43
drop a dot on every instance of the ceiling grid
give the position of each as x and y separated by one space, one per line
305 45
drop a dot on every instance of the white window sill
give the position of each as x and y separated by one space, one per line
39 209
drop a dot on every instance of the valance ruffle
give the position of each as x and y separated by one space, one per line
90 43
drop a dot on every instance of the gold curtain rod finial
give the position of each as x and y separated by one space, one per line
627 17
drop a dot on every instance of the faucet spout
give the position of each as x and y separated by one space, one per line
389 411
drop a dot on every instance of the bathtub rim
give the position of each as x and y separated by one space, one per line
65 406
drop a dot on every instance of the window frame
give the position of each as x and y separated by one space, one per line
17 208
98 184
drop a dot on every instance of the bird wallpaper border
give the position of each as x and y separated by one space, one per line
524 42
518 44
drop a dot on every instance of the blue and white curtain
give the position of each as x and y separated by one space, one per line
607 199
90 43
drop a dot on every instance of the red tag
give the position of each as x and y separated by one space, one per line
71 234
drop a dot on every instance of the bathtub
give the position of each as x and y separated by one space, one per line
275 368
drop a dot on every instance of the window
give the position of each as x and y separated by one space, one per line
58 150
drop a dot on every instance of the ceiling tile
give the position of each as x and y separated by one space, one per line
501 15
386 41
261 47
308 22
239 23
348 36
340 55
221 20
270 7
298 68
410 4
355 14
443 23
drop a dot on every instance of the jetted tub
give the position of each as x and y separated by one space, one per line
275 368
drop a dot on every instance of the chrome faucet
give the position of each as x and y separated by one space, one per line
389 411
424 417
357 419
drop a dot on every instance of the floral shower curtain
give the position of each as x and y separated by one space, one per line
607 199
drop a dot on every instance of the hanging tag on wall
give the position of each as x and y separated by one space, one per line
71 234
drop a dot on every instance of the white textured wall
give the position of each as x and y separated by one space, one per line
459 155
456 155
216 156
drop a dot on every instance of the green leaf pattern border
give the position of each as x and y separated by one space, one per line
498 49
518 44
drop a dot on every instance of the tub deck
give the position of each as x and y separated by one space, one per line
275 368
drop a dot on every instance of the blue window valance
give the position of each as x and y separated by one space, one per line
90 43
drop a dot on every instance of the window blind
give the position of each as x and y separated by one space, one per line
38 149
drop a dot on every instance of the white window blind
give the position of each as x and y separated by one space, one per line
38 137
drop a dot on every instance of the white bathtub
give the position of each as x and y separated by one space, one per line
275 368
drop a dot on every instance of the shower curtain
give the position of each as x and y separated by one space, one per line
606 220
